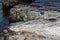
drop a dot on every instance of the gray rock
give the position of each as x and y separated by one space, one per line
38 29
24 12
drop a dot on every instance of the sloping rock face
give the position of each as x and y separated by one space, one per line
47 27
26 12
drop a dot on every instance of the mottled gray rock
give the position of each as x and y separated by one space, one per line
24 12
41 29
37 29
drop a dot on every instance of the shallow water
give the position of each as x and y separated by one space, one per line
3 21
50 4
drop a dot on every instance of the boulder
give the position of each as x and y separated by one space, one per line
24 13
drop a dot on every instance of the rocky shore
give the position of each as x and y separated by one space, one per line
35 23
47 27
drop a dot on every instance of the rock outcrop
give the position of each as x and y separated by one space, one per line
45 28
24 12
35 24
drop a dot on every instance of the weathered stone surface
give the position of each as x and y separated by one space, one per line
47 27
24 12
39 25
40 29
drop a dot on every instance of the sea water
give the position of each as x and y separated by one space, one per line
49 4
3 21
